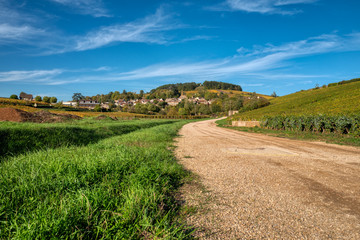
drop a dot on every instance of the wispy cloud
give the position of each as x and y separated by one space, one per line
262 6
256 61
94 8
268 62
147 30
18 34
32 76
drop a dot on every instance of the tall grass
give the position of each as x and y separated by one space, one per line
119 188
18 138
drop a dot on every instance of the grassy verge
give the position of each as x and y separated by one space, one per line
298 135
121 187
16 138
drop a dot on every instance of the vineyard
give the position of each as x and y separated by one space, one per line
341 99
315 123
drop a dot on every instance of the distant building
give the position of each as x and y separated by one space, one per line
88 104
172 101
27 97
69 104
232 112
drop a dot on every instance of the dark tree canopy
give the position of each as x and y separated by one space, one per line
77 97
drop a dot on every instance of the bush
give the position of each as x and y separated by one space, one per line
46 99
53 99
38 99
14 96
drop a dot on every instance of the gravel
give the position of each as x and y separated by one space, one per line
252 186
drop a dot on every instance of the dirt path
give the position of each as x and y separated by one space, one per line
253 186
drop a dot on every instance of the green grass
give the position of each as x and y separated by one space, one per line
16 138
336 100
121 187
335 138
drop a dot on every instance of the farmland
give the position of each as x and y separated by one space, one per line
89 180
334 100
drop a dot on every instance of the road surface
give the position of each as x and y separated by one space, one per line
252 186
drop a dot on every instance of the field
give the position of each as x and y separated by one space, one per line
336 100
90 180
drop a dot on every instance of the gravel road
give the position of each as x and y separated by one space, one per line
252 186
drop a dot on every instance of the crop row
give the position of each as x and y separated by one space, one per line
315 123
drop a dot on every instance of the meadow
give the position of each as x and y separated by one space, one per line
96 180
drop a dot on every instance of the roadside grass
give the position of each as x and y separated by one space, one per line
16 138
112 189
336 138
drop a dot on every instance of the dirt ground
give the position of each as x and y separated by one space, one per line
17 115
252 186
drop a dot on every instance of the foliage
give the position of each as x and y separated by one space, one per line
221 85
53 100
97 108
119 188
315 123
77 97
46 99
38 98
14 96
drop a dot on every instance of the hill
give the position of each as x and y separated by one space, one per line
177 88
334 99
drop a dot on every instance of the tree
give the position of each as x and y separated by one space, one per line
46 99
274 94
97 108
53 99
77 97
38 99
141 95
14 96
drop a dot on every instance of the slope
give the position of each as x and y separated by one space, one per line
334 100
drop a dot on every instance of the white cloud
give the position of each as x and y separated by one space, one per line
94 8
147 30
32 76
263 6
268 62
256 62
18 34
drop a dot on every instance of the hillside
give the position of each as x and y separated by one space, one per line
333 100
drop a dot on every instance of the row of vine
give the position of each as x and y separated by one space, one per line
342 124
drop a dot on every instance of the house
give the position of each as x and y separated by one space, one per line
88 104
27 97
172 101
232 112
69 104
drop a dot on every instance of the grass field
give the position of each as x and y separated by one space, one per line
336 100
119 185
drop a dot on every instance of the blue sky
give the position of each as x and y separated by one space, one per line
58 47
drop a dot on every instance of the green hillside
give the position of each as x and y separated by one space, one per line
332 100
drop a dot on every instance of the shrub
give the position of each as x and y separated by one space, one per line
14 96
38 99
46 99
53 99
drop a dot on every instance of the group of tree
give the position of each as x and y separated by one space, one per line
175 90
45 99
